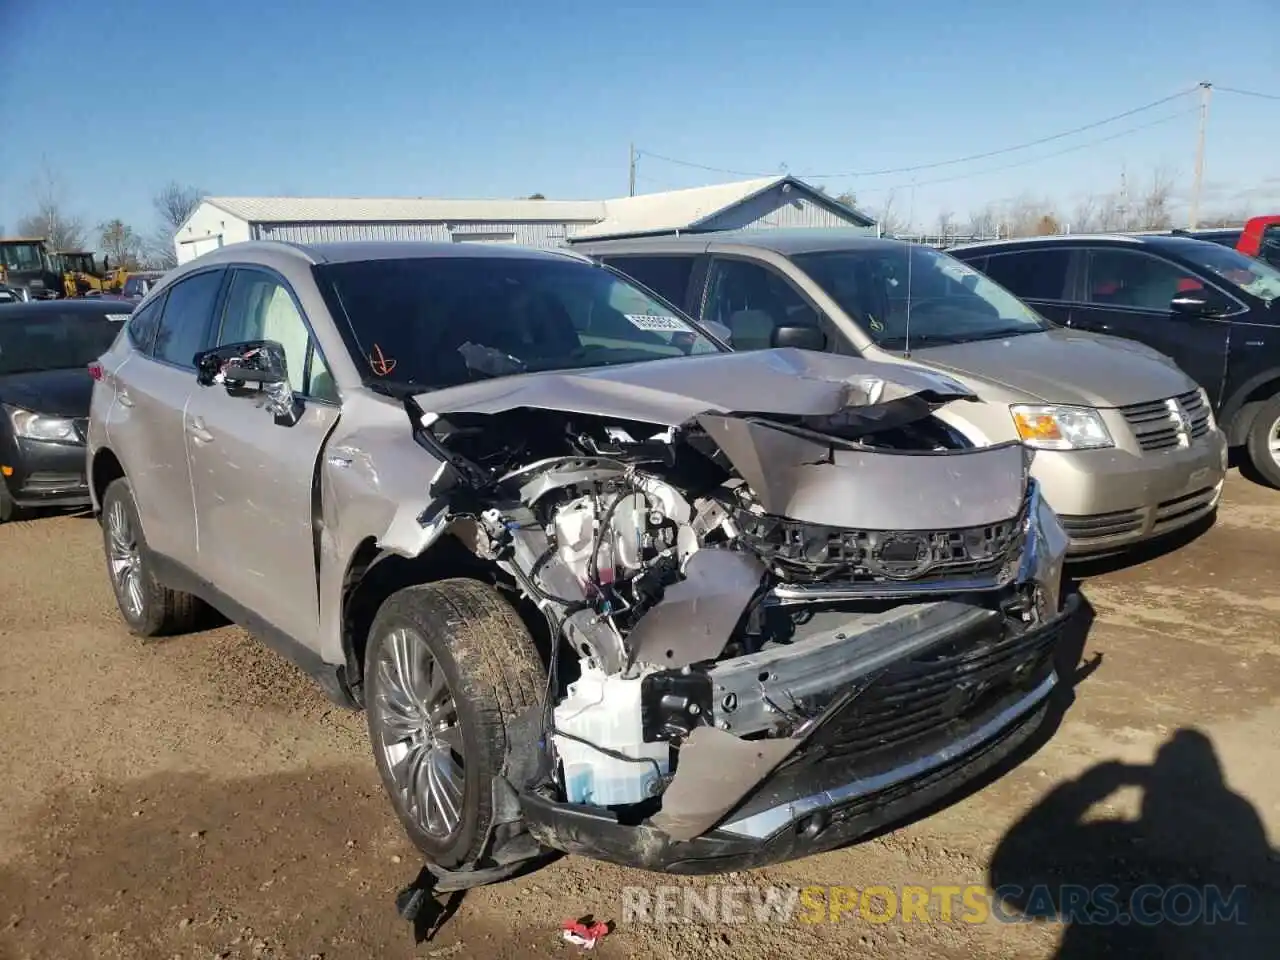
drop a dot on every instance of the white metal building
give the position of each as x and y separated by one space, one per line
749 204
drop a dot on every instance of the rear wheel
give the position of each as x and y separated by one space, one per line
1264 441
148 607
447 665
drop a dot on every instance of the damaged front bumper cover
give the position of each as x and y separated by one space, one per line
850 771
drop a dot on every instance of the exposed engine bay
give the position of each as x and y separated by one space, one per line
724 579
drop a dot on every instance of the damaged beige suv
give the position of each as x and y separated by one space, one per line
600 584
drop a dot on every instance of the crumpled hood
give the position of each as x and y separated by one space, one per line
1065 366
784 382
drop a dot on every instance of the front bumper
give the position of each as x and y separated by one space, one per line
1109 500
43 474
825 797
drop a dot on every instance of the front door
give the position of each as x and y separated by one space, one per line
1127 293
253 478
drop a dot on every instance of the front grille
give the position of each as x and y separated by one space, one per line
1179 510
1168 424
802 552
1101 525
958 682
46 482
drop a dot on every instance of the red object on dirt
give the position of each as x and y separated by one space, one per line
585 935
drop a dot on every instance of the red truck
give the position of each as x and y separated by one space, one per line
1259 237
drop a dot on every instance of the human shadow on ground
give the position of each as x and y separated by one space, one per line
1194 876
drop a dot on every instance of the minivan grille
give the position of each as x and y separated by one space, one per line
1168 424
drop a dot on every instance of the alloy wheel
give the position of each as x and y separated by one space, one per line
124 558
418 733
1273 441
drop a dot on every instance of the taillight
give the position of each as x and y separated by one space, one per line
96 371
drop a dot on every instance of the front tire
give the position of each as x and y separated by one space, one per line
1264 442
9 511
447 666
149 608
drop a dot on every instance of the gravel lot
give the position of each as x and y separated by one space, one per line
196 797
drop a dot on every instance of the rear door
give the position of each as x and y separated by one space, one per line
254 478
1127 293
151 390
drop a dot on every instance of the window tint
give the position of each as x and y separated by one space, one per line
142 326
260 307
1269 249
1130 278
1031 274
185 323
665 276
753 301
54 339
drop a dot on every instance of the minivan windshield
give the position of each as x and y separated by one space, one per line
39 338
432 322
949 301
1253 276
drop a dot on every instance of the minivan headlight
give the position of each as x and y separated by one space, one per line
1060 427
36 426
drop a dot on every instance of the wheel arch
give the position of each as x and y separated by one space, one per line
373 574
1242 406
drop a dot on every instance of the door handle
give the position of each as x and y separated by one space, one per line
196 427
123 396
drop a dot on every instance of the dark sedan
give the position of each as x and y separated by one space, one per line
45 351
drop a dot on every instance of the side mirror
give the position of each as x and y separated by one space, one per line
260 362
801 338
719 330
1200 303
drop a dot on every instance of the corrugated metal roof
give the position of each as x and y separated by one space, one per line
403 209
672 209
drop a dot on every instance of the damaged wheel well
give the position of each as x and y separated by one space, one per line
374 574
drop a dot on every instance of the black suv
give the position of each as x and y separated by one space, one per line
1208 307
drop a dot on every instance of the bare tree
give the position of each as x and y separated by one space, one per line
173 205
1026 216
946 225
121 243
891 224
50 219
1084 215
1151 212
984 222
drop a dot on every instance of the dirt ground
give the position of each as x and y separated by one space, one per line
197 798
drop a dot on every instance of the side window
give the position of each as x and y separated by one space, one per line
143 324
753 301
1130 278
1269 249
666 276
184 325
1031 274
260 307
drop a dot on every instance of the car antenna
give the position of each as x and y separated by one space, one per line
911 250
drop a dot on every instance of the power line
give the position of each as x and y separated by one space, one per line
1248 93
938 163
1030 160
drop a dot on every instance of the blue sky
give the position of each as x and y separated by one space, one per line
483 99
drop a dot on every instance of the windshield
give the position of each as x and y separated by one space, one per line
950 302
20 256
441 321
32 340
1253 276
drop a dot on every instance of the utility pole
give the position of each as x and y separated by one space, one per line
1205 90
631 157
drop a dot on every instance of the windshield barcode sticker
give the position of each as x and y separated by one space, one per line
659 324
